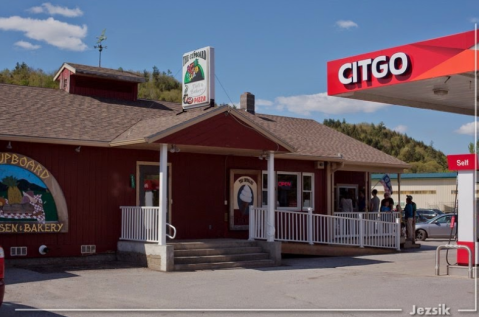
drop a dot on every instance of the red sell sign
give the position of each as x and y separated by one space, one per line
462 162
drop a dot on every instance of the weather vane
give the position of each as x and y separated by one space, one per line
100 47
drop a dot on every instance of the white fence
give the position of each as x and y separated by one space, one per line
389 216
141 224
347 229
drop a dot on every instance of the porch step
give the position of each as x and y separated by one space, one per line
216 251
219 254
212 244
223 265
221 258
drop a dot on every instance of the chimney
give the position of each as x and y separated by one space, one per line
247 102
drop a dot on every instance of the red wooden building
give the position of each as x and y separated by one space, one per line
101 145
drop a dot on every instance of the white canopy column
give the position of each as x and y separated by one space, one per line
163 198
271 198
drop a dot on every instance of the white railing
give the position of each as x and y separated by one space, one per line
293 226
389 216
141 224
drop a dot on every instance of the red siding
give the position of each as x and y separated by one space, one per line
96 182
222 131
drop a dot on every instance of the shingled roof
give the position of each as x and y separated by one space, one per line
101 72
52 114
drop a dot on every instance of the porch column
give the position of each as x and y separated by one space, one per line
271 198
399 191
162 194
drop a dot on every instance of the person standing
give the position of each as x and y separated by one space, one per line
409 217
374 203
347 204
361 201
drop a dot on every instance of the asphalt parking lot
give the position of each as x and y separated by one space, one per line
355 285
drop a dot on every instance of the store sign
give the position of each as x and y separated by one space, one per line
440 57
243 195
462 162
198 78
31 201
379 67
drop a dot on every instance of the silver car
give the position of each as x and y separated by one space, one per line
437 227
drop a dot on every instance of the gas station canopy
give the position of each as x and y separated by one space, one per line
436 74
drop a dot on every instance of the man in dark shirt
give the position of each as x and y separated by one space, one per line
409 217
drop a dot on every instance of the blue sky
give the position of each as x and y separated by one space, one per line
277 50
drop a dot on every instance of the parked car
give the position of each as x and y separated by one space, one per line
419 217
2 273
429 213
438 227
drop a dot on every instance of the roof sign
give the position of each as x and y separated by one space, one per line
198 77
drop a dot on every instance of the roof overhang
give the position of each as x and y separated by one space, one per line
98 74
158 135
436 74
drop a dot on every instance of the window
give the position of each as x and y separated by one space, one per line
293 190
308 191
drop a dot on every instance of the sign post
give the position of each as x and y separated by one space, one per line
465 165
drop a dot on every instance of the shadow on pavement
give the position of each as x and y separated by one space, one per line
35 272
303 262
8 310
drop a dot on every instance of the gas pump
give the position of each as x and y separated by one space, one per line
467 222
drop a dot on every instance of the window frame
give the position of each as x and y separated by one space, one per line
299 194
311 191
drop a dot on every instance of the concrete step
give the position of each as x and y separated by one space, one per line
212 244
223 265
217 251
221 258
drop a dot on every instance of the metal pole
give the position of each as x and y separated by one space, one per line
271 198
162 194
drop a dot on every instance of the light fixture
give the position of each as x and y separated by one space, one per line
263 156
9 145
78 149
174 149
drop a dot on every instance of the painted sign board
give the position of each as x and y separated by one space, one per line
198 77
31 200
462 162
443 56
244 193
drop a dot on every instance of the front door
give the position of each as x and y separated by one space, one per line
244 192
148 180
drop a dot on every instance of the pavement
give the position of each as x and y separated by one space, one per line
372 285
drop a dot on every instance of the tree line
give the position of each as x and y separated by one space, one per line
158 85
422 158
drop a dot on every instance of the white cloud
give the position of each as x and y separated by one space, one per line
474 20
263 102
27 45
467 128
400 128
60 34
306 104
346 24
52 10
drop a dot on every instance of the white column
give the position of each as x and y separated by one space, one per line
271 197
163 196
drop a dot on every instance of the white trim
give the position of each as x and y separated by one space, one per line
65 65
312 202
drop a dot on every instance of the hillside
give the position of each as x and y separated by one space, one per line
423 158
158 86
